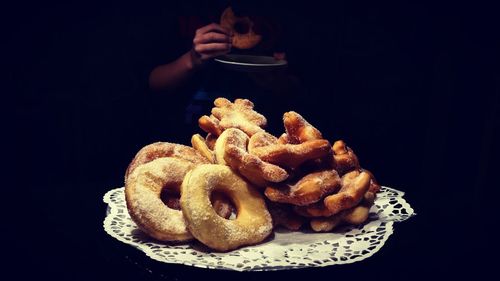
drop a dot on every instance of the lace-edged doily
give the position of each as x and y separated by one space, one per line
284 250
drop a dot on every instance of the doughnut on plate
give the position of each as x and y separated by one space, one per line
248 63
282 250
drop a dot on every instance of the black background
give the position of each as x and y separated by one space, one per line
408 84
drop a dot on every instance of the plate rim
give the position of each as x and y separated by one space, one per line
277 64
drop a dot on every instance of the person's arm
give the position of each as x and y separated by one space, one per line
210 41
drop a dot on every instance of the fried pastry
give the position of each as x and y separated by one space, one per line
309 189
252 224
231 149
344 159
298 130
199 143
239 114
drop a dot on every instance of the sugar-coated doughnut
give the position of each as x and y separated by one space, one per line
156 150
244 37
143 189
252 224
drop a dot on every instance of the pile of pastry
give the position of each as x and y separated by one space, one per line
239 182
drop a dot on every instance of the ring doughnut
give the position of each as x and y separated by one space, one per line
244 37
252 224
142 193
156 150
165 150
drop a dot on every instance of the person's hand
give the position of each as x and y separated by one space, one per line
210 41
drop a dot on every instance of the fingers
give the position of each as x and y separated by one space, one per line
212 48
211 37
211 41
213 27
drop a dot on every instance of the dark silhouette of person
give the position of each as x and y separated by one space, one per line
185 71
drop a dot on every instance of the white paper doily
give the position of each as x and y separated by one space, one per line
283 250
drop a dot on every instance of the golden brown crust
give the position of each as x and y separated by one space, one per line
305 179
252 224
325 224
231 149
374 185
227 114
198 143
354 216
210 124
309 189
354 191
314 210
245 40
298 130
157 150
143 197
283 139
344 159
293 155
354 187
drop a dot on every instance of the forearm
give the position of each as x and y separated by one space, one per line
210 41
174 74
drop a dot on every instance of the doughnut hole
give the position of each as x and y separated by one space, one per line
242 27
170 196
223 205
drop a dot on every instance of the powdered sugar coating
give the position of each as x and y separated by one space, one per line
252 224
231 149
287 155
156 150
142 191
298 130
239 114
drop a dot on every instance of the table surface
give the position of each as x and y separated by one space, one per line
77 247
